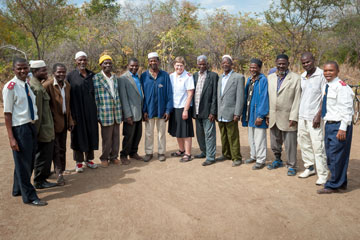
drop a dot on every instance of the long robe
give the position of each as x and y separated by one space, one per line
85 135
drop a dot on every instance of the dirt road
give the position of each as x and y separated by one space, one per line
174 200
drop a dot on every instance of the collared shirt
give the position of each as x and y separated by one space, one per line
110 81
62 90
339 103
311 94
224 80
281 79
16 102
158 95
181 84
45 124
137 82
198 90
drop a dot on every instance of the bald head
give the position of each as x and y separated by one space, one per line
307 55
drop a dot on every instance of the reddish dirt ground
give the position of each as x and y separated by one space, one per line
173 200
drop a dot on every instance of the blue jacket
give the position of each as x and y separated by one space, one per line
259 105
158 94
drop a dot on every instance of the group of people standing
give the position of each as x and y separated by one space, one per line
39 112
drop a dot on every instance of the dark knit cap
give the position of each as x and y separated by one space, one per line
256 61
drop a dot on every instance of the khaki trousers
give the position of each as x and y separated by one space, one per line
257 142
149 135
311 141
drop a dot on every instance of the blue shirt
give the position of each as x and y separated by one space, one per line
137 82
259 104
158 94
281 79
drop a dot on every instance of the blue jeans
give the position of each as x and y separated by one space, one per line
206 137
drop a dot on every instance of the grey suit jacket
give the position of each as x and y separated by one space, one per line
131 100
231 102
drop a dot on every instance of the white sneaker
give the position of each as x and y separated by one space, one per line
79 168
307 173
320 182
91 164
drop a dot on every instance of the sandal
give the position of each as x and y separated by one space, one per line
178 153
291 172
186 158
275 164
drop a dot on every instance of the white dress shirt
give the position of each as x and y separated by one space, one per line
16 102
339 103
62 90
181 84
110 81
311 94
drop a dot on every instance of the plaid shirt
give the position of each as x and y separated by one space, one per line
108 106
198 90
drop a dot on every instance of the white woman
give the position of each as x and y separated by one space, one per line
180 123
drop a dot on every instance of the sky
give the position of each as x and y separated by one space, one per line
232 6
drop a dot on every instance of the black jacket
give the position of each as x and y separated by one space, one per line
208 97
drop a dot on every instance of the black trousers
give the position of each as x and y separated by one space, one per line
59 156
132 136
25 136
43 159
79 156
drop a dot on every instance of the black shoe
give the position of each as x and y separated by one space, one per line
45 184
222 158
38 203
201 155
207 163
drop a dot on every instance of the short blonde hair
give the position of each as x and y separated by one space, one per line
180 59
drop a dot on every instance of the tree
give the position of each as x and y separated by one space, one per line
294 20
46 20
96 7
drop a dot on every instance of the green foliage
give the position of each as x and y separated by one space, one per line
96 7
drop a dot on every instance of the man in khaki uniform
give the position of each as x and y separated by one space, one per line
284 98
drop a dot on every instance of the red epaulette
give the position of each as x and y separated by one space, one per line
189 74
342 83
11 85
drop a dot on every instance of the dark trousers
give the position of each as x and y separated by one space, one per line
337 153
206 137
289 138
230 140
132 135
43 159
59 156
25 136
79 156
110 142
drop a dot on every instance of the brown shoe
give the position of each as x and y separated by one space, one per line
124 161
104 164
115 161
137 157
327 191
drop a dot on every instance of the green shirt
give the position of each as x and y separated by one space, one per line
45 124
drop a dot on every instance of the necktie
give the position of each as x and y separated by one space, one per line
323 109
29 102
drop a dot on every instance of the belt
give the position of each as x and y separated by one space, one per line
332 122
